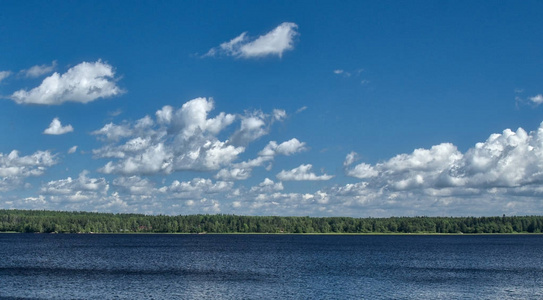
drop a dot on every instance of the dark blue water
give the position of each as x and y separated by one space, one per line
45 266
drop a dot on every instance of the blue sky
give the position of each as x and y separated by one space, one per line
320 108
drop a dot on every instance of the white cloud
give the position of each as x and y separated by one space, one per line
253 126
37 71
209 206
242 170
40 200
192 118
231 47
135 185
503 174
114 132
275 42
290 147
144 123
511 162
286 148
83 83
267 199
71 186
342 72
72 150
115 113
196 188
233 174
164 115
56 128
153 159
182 139
204 155
537 99
362 171
354 73
424 159
253 163
299 110
279 114
14 168
13 165
4 75
303 172
75 194
350 159
267 186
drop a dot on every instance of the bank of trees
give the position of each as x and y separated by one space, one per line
87 222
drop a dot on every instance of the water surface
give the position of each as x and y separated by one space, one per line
48 266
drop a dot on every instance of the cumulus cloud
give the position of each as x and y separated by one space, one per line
350 159
196 188
286 148
279 114
82 83
164 115
132 146
179 139
209 206
134 185
192 119
81 193
72 150
76 187
303 172
114 132
39 70
187 139
15 168
151 160
56 128
4 75
275 42
507 164
267 198
538 99
267 186
253 126
233 174
30 165
242 170
362 171
503 174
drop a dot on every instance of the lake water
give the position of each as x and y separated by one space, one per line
48 266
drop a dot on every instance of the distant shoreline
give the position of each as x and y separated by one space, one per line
33 221
268 233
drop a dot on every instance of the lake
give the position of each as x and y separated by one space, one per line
58 266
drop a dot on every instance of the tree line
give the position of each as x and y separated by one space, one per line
33 221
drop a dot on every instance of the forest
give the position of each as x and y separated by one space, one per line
37 221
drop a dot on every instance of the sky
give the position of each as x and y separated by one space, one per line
291 108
